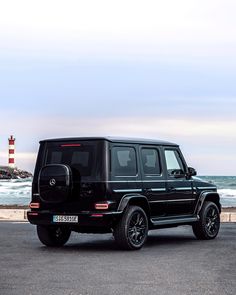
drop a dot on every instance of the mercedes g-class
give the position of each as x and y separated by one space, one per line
118 185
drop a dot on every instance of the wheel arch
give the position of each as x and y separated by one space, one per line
137 200
208 196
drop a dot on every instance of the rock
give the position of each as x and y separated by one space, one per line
13 173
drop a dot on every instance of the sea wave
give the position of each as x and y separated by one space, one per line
222 182
15 191
18 191
227 193
15 185
227 197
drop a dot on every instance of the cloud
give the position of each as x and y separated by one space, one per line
207 144
119 29
31 128
162 69
126 89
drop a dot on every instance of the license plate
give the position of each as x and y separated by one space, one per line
65 218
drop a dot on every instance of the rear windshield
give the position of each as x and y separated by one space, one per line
82 157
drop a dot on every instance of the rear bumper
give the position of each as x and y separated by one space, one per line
85 219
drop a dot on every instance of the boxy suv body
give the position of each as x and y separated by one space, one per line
123 186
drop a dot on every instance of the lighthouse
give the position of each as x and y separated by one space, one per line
11 154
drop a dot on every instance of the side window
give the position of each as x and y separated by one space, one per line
173 161
123 161
150 161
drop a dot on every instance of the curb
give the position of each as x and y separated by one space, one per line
228 217
13 214
21 215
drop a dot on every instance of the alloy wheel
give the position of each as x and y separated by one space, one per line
212 221
137 228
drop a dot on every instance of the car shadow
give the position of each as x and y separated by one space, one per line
105 244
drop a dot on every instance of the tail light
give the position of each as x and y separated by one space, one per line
102 206
34 205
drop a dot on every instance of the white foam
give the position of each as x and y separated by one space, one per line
227 193
15 191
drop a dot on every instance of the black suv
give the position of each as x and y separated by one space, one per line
118 185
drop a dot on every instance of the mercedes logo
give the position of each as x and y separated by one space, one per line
52 182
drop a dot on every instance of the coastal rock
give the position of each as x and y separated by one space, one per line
13 173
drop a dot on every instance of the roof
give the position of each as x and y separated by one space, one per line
114 139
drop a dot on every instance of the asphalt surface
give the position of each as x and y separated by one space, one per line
171 262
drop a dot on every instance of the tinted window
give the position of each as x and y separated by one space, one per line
150 161
173 161
80 158
55 157
124 161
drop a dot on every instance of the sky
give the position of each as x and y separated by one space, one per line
151 69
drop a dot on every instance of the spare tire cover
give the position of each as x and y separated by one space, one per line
55 183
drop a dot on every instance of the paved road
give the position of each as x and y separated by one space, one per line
172 262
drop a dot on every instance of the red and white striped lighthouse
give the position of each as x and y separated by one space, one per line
11 154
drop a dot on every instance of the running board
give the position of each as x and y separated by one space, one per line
174 220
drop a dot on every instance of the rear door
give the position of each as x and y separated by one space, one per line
125 176
153 179
86 161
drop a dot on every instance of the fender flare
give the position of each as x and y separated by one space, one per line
127 198
202 199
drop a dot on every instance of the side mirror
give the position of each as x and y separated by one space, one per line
192 171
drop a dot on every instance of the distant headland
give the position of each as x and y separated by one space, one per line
7 172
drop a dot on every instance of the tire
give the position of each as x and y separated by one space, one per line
208 226
131 231
53 236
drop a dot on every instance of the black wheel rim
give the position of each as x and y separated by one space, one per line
137 229
212 221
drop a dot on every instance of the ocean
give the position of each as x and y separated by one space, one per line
18 191
226 186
